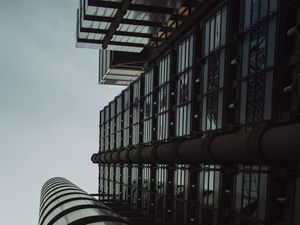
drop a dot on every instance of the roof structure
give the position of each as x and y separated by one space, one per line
128 25
137 30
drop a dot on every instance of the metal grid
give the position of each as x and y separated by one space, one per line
184 76
127 117
257 60
163 117
119 121
112 125
123 25
102 131
231 193
214 40
136 108
107 128
200 194
146 193
148 106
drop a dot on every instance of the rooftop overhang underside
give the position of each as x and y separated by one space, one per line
120 76
130 25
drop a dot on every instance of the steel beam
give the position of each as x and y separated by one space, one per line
134 7
123 21
127 44
116 22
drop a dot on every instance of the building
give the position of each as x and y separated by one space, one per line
207 130
63 203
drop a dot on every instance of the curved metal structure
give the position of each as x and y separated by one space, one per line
63 203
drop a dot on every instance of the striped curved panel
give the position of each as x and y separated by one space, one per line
63 203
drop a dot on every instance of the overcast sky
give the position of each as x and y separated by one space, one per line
49 104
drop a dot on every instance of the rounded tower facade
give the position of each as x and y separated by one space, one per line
63 203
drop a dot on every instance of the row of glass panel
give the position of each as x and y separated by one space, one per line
165 192
162 104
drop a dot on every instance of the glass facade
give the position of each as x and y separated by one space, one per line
104 63
107 128
214 40
102 131
163 111
127 116
257 50
136 112
148 106
119 121
201 56
184 76
112 125
198 115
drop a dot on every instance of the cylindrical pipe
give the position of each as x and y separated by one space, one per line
166 152
94 158
148 154
135 155
115 156
194 151
260 144
124 158
230 147
107 157
102 157
281 143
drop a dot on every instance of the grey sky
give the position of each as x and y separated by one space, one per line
49 103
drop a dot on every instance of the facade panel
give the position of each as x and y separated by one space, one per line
210 132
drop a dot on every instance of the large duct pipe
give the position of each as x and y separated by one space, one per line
195 150
281 143
135 155
148 154
261 144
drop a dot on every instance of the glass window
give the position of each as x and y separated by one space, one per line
146 189
163 98
112 124
104 63
119 122
148 103
160 188
208 192
183 86
134 186
127 118
214 35
107 128
180 191
125 183
257 61
102 130
118 181
251 193
136 112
